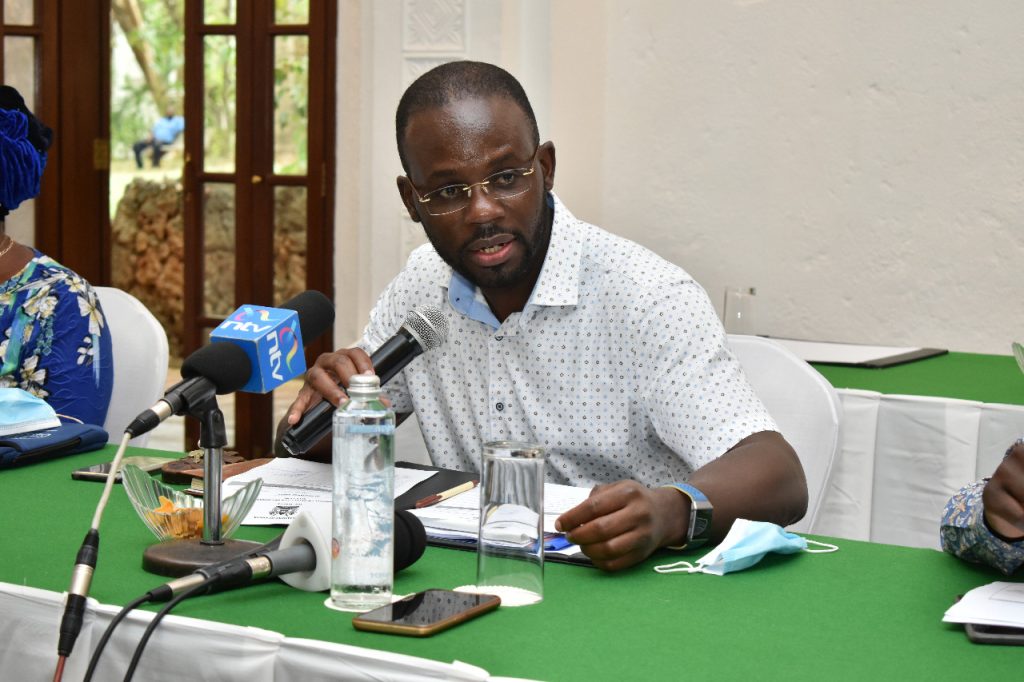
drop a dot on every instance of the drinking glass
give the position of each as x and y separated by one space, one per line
510 547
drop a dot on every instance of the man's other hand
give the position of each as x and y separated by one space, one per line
622 523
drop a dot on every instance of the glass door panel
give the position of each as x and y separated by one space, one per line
218 249
291 104
220 102
291 11
219 11
20 12
289 242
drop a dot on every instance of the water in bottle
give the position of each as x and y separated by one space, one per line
362 548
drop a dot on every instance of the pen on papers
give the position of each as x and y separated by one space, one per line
444 495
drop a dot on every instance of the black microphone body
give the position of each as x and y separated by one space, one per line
388 360
424 329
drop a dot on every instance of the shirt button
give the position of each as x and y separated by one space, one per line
499 406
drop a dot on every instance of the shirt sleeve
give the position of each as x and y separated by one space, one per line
698 397
964 533
387 316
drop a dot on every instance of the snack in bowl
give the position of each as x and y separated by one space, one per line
179 523
173 515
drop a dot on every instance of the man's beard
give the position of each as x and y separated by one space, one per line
535 247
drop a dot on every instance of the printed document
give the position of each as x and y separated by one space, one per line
290 483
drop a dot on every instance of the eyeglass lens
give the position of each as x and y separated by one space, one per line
505 184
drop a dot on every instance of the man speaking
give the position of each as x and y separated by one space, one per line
562 334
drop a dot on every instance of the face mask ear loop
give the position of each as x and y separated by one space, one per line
829 548
678 567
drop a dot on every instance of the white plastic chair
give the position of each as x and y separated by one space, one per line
140 352
805 406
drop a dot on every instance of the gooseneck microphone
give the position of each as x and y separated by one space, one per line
424 329
226 366
218 368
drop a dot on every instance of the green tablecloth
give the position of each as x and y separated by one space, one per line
866 612
968 376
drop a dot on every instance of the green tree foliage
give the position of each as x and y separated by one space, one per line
148 68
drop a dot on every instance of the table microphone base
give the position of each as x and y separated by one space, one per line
176 558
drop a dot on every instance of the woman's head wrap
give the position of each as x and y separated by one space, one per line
23 144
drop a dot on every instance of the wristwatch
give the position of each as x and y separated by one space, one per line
700 516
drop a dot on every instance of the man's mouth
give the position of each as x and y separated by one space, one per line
492 251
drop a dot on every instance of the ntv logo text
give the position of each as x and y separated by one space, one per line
275 356
245 327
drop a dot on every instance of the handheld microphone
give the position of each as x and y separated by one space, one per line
424 329
302 553
233 364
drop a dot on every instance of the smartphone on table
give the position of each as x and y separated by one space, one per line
994 634
424 613
98 472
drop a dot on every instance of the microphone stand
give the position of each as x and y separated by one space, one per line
176 558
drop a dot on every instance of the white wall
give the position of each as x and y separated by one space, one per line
860 163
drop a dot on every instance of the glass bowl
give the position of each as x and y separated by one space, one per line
173 515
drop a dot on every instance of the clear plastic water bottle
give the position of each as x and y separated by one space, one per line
362 548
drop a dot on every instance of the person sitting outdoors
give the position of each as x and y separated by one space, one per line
984 522
54 342
561 334
164 132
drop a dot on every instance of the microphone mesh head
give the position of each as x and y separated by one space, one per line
429 325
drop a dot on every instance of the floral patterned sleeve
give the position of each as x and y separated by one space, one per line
965 534
54 341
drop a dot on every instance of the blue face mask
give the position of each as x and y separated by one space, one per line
21 412
746 543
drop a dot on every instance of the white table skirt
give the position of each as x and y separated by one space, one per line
902 456
191 649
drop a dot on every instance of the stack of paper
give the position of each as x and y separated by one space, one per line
998 603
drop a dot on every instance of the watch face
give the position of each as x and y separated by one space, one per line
700 528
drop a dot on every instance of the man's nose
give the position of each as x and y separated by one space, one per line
483 206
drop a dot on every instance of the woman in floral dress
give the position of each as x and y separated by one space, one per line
54 341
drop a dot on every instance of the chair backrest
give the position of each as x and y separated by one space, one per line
140 352
804 405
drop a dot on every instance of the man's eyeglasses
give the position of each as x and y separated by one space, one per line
505 184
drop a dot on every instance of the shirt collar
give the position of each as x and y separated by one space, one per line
557 285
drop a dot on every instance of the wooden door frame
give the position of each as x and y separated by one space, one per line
73 91
254 113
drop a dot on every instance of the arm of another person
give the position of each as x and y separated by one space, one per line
623 523
984 521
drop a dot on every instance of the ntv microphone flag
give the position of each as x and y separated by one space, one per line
272 338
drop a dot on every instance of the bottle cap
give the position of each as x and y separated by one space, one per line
364 385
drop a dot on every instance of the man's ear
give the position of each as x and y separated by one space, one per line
408 193
546 156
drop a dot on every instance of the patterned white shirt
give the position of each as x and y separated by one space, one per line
618 364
